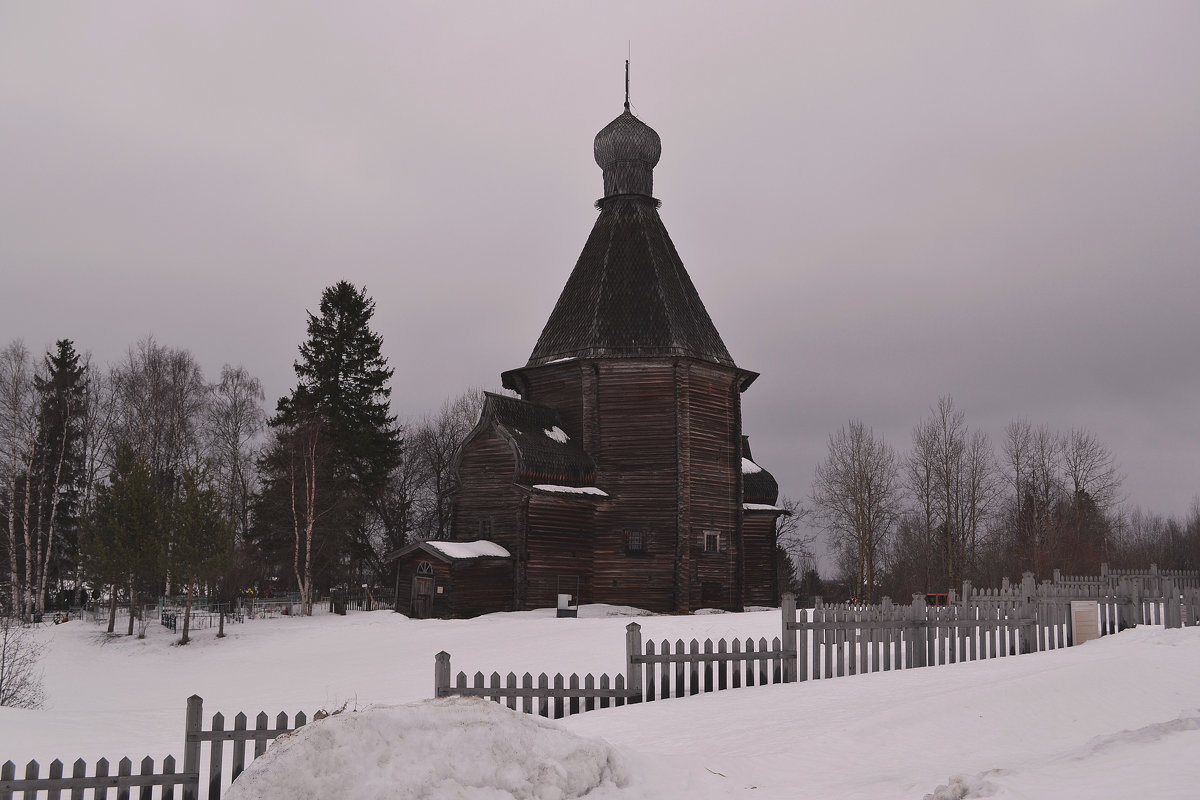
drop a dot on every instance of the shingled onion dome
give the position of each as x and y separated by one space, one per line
627 149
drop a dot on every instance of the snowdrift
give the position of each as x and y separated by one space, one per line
462 748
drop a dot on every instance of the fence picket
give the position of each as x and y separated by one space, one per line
239 747
216 750
260 741
649 689
543 699
664 672
558 698
168 792
78 770
146 791
736 665
679 667
694 651
511 682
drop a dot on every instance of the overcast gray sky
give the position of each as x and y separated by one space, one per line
878 202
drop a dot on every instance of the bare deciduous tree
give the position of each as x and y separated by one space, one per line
856 495
20 678
435 442
1091 468
18 438
161 397
234 421
950 476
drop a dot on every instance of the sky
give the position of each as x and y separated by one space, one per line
879 203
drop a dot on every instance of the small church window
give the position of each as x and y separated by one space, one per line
635 542
424 568
712 541
485 528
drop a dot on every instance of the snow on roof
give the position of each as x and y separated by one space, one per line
549 487
749 467
557 434
478 549
760 507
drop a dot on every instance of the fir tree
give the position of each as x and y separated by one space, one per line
120 543
202 547
335 442
59 468
343 380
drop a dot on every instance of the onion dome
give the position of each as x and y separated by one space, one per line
627 149
758 485
629 295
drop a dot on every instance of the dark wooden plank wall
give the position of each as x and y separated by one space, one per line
761 579
712 470
559 543
480 586
486 491
637 464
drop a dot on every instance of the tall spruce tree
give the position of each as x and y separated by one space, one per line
335 443
343 380
59 467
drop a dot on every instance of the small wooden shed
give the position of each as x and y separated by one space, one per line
453 579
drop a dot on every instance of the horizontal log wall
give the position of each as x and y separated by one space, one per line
486 493
559 544
479 586
711 469
636 464
761 575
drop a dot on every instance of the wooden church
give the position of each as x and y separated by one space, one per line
621 474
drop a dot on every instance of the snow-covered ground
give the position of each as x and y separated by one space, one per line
1115 718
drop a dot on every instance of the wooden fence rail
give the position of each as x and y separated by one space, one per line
160 784
652 672
837 640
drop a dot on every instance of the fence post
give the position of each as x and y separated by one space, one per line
633 670
1172 616
441 674
1028 585
1134 609
191 747
788 660
920 631
966 592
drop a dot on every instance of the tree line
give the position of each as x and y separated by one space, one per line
956 507
144 478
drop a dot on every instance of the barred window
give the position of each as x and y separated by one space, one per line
485 528
635 542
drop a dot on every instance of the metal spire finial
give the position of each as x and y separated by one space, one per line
627 84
